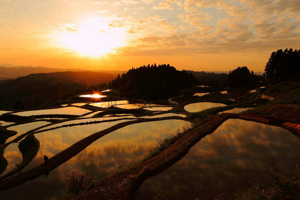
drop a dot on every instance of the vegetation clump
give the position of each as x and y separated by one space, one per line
164 144
205 115
285 92
283 66
153 82
197 118
284 112
241 77
77 183
279 184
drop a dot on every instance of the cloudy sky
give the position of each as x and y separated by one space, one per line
201 35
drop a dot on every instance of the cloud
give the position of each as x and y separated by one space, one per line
163 6
130 2
177 2
195 19
148 1
164 24
102 11
99 3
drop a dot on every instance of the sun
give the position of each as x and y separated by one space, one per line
91 37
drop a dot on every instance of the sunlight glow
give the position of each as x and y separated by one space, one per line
95 96
92 37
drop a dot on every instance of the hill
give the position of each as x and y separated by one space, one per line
36 90
209 78
12 72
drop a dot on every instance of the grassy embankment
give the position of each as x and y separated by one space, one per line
284 108
197 120
285 92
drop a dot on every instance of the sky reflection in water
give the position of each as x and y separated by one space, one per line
56 111
107 104
3 112
78 104
122 148
94 96
3 123
225 162
200 94
23 128
236 110
158 108
91 115
13 156
196 107
109 154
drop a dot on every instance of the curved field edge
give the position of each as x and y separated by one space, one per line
29 147
124 184
67 154
3 161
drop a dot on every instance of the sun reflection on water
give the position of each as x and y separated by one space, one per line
94 96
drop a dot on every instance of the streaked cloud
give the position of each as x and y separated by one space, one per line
163 6
168 27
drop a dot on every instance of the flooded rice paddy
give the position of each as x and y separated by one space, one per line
197 107
56 111
111 153
222 162
225 161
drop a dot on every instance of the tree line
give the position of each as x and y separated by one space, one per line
153 82
283 66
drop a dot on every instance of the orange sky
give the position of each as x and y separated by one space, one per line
200 35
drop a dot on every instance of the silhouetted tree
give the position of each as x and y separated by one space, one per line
153 82
283 66
240 77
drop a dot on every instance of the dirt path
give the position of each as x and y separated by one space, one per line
67 154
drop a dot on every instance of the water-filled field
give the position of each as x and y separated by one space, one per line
225 161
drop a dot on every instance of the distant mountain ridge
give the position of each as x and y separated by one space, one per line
13 72
36 90
8 71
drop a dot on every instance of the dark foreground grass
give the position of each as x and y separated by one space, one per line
78 183
277 185
285 92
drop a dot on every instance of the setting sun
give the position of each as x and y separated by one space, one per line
91 37
148 99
